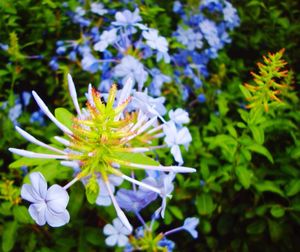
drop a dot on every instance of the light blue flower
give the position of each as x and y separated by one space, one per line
107 38
128 18
135 201
130 67
190 225
179 116
26 96
148 105
189 38
90 63
38 117
98 8
230 15
168 244
157 81
117 233
175 137
15 112
103 198
210 31
47 205
154 41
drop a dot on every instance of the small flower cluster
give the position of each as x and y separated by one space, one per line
145 238
119 48
203 32
112 136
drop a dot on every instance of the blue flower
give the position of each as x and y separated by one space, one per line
98 8
175 137
201 98
128 18
117 233
53 64
15 112
107 38
190 225
168 244
179 116
135 201
154 41
90 63
157 82
47 205
38 117
130 67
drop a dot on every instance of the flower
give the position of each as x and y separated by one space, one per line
106 38
47 205
130 67
154 41
179 116
117 233
98 8
175 137
128 18
190 225
104 139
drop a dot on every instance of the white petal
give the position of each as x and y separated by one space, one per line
29 194
37 212
57 199
73 94
57 220
122 240
117 224
39 184
111 240
175 150
109 230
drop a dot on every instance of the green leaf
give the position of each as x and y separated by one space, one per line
277 211
204 204
275 230
293 187
261 150
92 190
245 91
244 175
9 235
268 186
256 227
176 212
25 161
64 116
257 133
21 215
137 158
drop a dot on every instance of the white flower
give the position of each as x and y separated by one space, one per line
154 41
117 233
107 38
175 137
48 206
179 116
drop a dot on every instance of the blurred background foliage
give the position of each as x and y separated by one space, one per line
246 190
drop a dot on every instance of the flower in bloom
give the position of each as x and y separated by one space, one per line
154 41
190 225
130 67
98 8
128 19
117 233
105 139
47 205
179 116
106 38
175 137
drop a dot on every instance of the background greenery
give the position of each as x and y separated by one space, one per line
246 190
